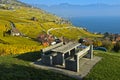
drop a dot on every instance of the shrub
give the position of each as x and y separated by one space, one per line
18 49
108 45
97 43
117 47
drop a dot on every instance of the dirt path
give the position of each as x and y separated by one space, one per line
52 29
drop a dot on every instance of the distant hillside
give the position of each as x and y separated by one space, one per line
22 15
12 2
31 22
81 10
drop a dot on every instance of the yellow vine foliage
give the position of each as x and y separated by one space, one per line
18 49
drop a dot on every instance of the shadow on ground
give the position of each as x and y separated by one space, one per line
30 56
21 72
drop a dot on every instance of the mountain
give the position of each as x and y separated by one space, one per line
69 10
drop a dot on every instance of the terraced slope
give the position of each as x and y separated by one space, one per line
32 22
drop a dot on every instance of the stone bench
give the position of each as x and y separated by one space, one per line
88 52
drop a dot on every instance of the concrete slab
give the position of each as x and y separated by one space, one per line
85 66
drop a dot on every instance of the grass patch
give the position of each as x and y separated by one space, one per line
16 67
107 69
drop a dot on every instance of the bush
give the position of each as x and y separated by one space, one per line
117 47
97 43
108 45
18 49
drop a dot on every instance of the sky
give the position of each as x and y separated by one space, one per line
76 2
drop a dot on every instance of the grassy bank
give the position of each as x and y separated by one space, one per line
16 67
107 69
21 16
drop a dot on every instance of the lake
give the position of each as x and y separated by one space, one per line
98 24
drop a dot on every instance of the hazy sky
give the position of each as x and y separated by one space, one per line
81 2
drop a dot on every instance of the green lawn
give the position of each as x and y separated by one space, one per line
107 69
17 67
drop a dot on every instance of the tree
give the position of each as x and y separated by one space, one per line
106 34
108 45
97 43
117 47
81 40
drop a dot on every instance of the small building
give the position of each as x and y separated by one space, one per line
12 30
48 39
34 19
15 32
118 38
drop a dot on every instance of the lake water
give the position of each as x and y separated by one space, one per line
98 24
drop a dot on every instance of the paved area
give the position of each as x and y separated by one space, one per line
85 67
